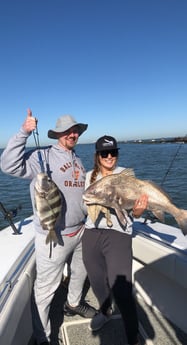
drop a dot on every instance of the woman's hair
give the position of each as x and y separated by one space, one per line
96 168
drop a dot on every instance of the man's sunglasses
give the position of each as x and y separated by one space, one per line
113 153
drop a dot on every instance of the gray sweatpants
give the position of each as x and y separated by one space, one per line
49 275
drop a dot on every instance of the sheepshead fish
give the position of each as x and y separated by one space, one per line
48 203
120 191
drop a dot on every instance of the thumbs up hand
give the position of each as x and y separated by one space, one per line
30 122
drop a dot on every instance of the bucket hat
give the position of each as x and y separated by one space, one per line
64 123
106 143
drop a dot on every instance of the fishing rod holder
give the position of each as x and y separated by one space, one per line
8 215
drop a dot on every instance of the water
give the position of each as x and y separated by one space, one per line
156 162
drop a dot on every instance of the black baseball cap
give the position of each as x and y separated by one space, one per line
106 143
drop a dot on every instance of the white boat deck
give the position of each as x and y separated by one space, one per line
160 279
166 234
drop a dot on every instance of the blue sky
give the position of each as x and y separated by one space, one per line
118 65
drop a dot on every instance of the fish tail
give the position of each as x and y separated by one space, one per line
51 237
181 219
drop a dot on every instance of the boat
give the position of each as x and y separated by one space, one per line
17 274
160 282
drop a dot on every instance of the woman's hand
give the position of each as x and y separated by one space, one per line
140 206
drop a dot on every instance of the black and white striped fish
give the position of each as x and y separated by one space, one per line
48 204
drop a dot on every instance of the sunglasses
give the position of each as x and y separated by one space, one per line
104 154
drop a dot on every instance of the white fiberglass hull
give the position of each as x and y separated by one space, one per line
159 267
16 280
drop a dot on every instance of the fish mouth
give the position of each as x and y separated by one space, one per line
84 197
88 201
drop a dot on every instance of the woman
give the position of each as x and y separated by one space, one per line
107 252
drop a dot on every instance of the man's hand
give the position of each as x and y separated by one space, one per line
140 206
30 122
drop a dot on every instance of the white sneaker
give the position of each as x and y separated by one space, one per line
98 321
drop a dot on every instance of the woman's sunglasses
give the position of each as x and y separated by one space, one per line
113 153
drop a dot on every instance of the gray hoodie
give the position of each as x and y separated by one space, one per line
63 166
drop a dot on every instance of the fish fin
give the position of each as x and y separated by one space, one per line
51 237
121 216
107 214
50 251
159 215
93 211
181 219
128 172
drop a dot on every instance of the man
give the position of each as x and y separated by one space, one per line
65 168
